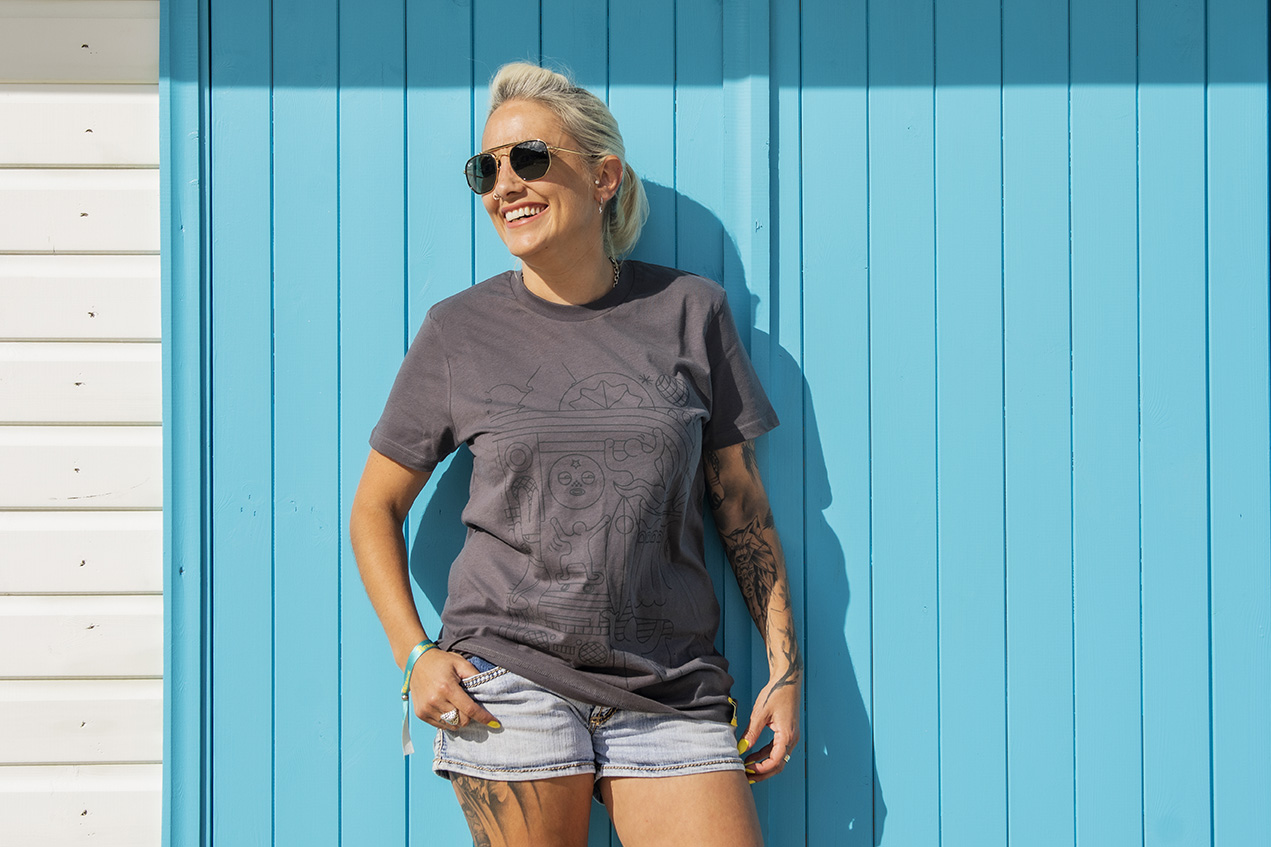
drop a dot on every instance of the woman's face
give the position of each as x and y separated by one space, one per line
563 220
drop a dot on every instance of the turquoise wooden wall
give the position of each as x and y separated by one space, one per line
1004 267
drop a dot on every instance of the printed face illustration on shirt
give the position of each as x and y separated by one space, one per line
576 481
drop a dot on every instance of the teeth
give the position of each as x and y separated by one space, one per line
523 212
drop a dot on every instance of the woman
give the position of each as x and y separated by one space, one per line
601 401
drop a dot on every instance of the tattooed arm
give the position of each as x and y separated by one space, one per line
744 520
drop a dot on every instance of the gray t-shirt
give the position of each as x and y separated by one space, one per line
583 565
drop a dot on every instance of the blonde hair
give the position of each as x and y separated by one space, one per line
588 121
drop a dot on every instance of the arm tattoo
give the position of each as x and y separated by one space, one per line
714 487
754 562
748 456
492 808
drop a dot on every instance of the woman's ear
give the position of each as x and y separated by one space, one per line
609 178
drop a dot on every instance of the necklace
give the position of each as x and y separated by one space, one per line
617 269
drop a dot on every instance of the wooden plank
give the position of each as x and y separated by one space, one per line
903 413
59 211
373 250
81 467
80 125
1239 338
1106 570
571 41
120 636
70 41
61 806
970 467
1038 424
307 522
80 297
79 383
81 721
1172 380
844 799
81 552
241 714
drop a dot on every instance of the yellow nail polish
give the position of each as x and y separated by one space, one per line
495 725
750 770
743 746
751 781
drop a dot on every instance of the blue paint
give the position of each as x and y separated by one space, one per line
1004 270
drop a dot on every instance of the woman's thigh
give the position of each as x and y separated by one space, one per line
533 813
714 809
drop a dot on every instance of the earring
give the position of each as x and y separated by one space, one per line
601 208
596 181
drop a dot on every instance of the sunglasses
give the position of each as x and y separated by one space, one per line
530 160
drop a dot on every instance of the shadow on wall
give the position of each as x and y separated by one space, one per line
838 745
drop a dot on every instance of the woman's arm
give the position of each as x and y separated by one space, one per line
744 520
384 496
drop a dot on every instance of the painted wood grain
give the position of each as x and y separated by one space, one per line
49 637
1238 281
71 41
82 467
81 552
242 534
1038 425
79 297
65 805
81 721
95 211
64 382
80 125
372 305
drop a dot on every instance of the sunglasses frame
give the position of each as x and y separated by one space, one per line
498 161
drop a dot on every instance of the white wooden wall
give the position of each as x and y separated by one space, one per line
81 486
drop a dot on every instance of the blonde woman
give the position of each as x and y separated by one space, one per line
602 401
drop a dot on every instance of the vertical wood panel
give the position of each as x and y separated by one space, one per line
1239 477
903 414
1105 424
372 307
846 804
1037 370
1176 778
241 584
306 400
970 472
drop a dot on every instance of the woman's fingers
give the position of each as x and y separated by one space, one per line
437 690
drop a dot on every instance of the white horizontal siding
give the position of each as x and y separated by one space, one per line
49 637
60 806
93 211
81 467
79 125
81 552
80 383
104 41
72 721
79 297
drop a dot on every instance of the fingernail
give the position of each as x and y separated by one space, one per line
750 770
751 781
743 746
495 725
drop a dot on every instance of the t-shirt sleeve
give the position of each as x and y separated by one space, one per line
416 428
740 409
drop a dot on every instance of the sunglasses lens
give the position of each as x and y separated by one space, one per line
530 159
482 172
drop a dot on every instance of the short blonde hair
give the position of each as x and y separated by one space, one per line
588 121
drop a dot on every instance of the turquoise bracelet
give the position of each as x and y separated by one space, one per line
420 649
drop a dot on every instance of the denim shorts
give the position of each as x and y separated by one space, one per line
546 735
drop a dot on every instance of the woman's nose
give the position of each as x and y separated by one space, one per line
505 179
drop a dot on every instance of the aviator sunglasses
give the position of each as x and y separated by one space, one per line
529 160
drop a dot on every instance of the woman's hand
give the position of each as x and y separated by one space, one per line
776 708
436 688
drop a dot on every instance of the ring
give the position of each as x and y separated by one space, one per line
787 757
451 717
